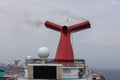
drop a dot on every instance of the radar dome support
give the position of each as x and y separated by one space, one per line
65 50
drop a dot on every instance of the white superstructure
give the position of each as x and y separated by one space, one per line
44 68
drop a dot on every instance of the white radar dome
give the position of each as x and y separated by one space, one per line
43 52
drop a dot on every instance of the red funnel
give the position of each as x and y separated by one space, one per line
65 50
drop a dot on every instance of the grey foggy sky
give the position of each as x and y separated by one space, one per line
22 29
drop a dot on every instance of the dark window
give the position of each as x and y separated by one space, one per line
44 72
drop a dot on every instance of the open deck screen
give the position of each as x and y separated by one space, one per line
44 72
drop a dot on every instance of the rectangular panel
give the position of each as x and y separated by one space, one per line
44 72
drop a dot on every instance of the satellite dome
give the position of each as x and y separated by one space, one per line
43 52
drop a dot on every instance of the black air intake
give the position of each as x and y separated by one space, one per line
64 28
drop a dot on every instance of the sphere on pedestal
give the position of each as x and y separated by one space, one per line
43 52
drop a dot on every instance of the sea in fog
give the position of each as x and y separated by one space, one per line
110 74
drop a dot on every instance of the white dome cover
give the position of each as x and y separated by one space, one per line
43 52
